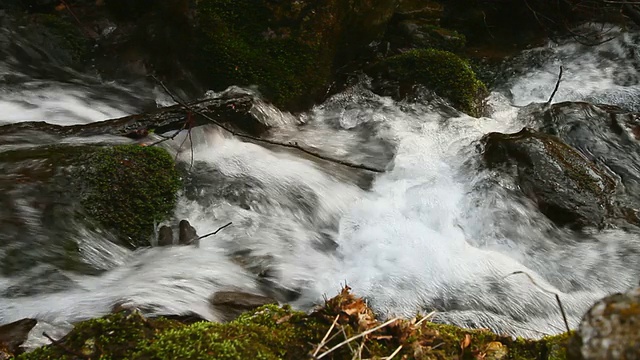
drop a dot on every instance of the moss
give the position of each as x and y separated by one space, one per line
441 71
65 35
272 332
128 188
114 336
282 51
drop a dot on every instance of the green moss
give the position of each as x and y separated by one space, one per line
65 34
241 42
441 71
128 188
271 333
114 336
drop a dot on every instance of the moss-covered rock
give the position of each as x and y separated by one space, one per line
566 186
63 36
272 332
287 49
611 329
128 188
445 73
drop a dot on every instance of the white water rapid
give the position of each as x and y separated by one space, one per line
435 231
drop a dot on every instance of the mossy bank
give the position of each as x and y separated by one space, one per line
273 332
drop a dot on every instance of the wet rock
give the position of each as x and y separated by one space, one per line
13 335
165 236
187 233
231 304
186 318
607 136
611 328
567 187
440 71
288 49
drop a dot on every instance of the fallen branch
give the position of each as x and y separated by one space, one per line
63 347
209 234
271 142
564 315
557 86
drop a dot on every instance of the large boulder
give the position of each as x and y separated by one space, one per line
443 72
607 136
567 187
611 328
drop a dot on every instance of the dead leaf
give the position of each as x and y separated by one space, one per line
283 319
466 342
60 7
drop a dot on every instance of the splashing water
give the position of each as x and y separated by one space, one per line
435 231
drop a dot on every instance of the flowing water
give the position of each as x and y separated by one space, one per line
436 231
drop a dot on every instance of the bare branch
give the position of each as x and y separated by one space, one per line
564 315
556 88
209 234
271 142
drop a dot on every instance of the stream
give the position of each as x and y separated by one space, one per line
436 231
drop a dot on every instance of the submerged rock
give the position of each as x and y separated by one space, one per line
231 304
611 328
13 335
567 187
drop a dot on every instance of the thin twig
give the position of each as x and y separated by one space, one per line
170 137
564 315
324 339
390 357
271 142
63 347
557 86
425 318
359 353
191 142
346 337
209 234
365 333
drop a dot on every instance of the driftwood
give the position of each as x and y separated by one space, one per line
290 145
230 112
233 109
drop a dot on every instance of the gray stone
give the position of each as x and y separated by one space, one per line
230 304
165 236
611 328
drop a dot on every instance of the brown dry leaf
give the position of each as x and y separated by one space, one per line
283 319
60 7
466 342
356 307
